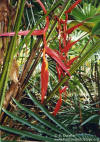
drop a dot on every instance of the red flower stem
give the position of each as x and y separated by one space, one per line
70 30
58 105
35 32
41 4
73 6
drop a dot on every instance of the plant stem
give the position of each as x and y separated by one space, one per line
9 57
90 52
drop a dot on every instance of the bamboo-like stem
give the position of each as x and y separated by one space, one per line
49 34
85 46
9 57
55 22
18 7
37 24
22 43
32 69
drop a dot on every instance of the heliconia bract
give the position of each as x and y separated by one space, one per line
44 77
58 105
60 56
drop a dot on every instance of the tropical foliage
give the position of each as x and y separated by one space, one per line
50 70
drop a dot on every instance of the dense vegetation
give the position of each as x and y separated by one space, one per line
50 70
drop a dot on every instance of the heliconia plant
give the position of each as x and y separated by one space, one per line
64 46
60 56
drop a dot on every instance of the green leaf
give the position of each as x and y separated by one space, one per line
46 123
95 18
75 66
51 117
89 119
23 121
6 141
26 134
99 121
96 29
77 13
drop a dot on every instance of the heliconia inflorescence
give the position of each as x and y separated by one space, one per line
64 47
60 56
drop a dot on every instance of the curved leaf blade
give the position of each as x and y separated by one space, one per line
51 117
23 121
46 123
26 134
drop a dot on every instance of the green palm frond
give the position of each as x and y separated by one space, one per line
51 129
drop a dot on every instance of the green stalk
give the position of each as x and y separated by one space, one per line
61 14
54 25
82 60
18 7
9 57
53 28
37 24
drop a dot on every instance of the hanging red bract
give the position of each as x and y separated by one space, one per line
58 105
73 6
64 47
63 64
44 77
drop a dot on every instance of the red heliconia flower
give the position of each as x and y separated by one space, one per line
58 105
70 62
57 58
73 6
70 30
59 71
63 89
62 36
68 46
44 68
44 77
